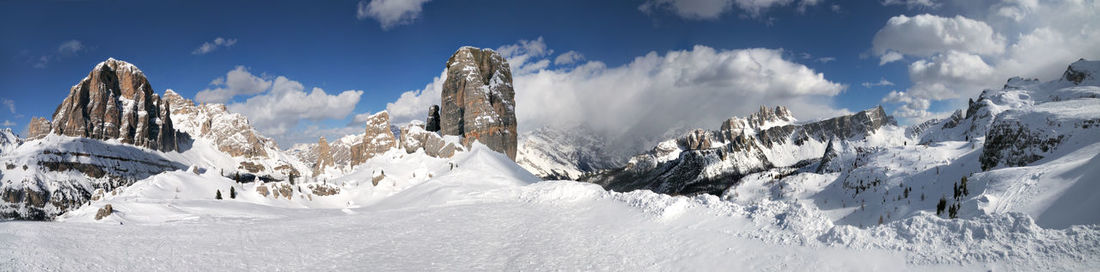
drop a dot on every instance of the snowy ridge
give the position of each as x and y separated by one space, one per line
704 161
232 134
554 153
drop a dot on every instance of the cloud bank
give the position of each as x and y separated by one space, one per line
954 58
277 106
654 95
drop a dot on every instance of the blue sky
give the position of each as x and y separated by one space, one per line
49 46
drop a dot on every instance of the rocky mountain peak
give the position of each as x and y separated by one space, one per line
115 101
324 157
377 139
478 101
1081 70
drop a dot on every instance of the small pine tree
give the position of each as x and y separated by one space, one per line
941 205
233 192
953 212
963 188
218 195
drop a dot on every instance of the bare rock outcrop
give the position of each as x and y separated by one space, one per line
38 127
478 100
324 157
415 137
432 124
115 101
377 139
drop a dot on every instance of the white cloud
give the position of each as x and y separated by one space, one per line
890 56
8 123
413 105
825 59
881 82
713 9
568 58
70 47
1040 40
8 103
282 107
520 55
926 35
276 107
65 49
236 82
638 102
390 13
210 46
912 4
914 108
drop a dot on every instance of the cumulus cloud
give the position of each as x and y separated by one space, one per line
413 105
287 103
236 82
390 13
210 46
655 94
276 107
911 107
713 9
959 56
926 34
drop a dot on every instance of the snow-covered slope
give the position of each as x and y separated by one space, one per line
8 140
481 211
1029 147
555 153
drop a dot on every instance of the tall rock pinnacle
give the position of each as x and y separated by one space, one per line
115 101
478 101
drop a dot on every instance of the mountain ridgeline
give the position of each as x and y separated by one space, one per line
710 161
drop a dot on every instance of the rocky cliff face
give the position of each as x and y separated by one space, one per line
377 139
38 127
232 134
115 101
478 101
324 157
432 124
705 161
1040 117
